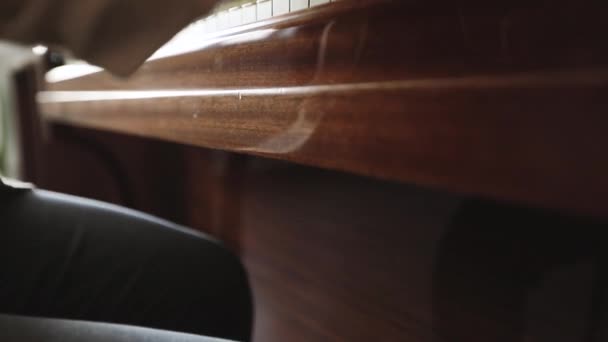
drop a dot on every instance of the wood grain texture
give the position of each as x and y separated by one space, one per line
339 258
506 100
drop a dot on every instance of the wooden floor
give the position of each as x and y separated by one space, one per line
338 257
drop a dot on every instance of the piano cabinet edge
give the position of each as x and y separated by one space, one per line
513 138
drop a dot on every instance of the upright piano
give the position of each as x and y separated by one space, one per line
387 170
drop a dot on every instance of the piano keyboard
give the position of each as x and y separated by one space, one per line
229 15
235 13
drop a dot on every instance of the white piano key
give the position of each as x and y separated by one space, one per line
200 27
211 24
249 13
318 2
264 9
223 20
280 7
235 16
297 5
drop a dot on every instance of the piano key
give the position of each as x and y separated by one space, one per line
235 13
280 7
249 14
318 2
235 16
298 5
223 20
199 28
211 22
264 9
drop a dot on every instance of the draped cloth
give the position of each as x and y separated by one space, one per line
118 35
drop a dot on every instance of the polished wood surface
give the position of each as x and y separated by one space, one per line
504 100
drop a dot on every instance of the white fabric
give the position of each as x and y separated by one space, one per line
11 57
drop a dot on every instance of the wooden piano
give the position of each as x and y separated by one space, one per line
387 170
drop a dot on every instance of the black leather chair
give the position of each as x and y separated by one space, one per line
69 258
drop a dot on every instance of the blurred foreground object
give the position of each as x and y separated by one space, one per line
117 35
12 57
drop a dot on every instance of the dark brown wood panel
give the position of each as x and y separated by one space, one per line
341 258
512 137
